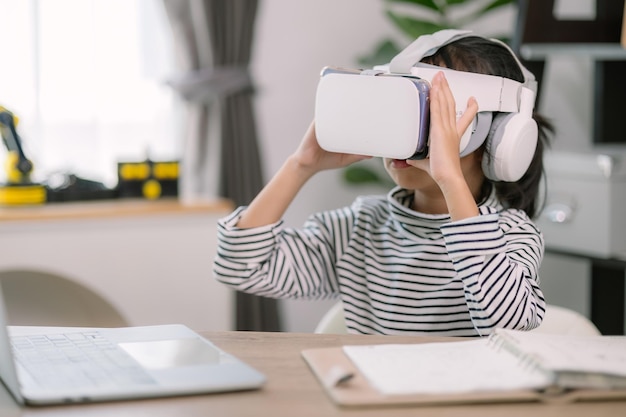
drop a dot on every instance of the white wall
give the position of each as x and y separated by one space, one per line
294 40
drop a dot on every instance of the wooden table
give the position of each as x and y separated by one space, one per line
293 391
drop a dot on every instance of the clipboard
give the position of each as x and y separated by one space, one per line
357 391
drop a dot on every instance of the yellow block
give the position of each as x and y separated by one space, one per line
151 189
165 170
132 171
24 194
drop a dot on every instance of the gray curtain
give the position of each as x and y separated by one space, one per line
213 39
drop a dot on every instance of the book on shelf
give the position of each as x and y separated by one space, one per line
509 365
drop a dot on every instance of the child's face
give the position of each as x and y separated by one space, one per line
418 177
407 176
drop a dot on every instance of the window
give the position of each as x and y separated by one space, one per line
87 80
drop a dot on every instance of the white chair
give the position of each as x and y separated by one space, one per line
558 320
46 299
561 320
333 321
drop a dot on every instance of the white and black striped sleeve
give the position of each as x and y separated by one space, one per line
278 262
497 255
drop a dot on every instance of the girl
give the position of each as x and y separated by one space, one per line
446 252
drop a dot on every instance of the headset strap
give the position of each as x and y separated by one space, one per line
427 45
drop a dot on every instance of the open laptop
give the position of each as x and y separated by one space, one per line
53 365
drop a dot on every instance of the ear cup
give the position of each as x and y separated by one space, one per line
480 130
510 147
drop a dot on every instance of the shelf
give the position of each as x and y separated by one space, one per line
111 208
596 51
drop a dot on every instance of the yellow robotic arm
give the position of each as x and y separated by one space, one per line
18 166
19 189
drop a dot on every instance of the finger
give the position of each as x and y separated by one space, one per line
442 101
439 108
349 159
448 102
468 115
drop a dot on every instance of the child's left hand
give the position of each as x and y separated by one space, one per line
446 131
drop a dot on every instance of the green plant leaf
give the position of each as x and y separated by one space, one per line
381 55
356 174
415 27
428 4
457 2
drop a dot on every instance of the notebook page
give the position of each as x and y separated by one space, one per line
599 354
444 368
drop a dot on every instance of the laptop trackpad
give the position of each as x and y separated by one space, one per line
163 354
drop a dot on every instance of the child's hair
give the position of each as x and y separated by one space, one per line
480 55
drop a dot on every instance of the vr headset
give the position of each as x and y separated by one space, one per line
384 111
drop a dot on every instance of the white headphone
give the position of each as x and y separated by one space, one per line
511 138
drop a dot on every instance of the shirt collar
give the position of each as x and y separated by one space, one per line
401 199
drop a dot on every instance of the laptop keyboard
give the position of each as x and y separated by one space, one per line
78 360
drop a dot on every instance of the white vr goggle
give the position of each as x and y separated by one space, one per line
384 111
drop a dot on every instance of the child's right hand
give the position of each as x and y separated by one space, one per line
311 157
270 204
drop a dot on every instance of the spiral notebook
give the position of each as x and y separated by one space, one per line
508 366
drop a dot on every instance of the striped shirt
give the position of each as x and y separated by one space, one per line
396 270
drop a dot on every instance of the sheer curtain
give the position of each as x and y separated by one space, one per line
213 39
